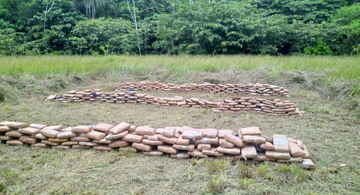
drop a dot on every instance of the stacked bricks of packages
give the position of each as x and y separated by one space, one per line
177 142
268 106
251 89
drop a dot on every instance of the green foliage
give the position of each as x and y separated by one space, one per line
320 49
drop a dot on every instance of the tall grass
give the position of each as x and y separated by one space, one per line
41 66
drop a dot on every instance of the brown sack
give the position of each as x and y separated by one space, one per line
307 164
133 138
295 150
234 140
167 149
47 142
154 153
80 138
4 128
204 147
152 142
167 139
278 155
228 150
182 141
168 132
82 129
292 160
55 127
154 137
39 136
212 152
51 133
250 131
57 140
29 130
206 140
267 146
37 126
65 135
69 143
281 143
117 136
254 139
87 144
120 128
192 134
119 144
102 148
142 147
222 133
182 147
145 130
95 135
226 144
13 133
103 141
248 152
263 157
103 127
4 138
197 153
132 128
180 155
14 143
28 139
15 125
211 133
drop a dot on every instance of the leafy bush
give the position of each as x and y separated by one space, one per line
320 49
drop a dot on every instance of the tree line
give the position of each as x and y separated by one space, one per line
103 27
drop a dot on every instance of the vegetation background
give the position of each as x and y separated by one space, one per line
102 27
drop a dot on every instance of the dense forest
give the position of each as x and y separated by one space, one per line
142 27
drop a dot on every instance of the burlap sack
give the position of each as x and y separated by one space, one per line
67 129
82 129
39 136
4 138
222 133
253 139
142 147
152 142
129 148
233 151
28 139
267 138
119 144
69 143
132 128
226 144
211 133
262 157
204 147
307 164
120 128
267 146
132 138
39 145
300 144
168 140
212 152
292 160
96 135
192 134
117 136
103 127
248 152
91 144
60 147
182 147
168 132
15 125
102 148
29 130
51 133
14 143
182 141
281 143
4 128
206 140
80 147
66 135
80 138
184 128
154 153
250 131
47 142
54 127
197 153
159 130
154 137
295 150
167 149
234 140
292 140
57 140
103 141
180 155
14 133
145 130
37 126
277 155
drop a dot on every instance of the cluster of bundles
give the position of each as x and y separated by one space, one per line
268 106
251 89
176 142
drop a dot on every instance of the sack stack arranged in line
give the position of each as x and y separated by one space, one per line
177 142
268 106
251 89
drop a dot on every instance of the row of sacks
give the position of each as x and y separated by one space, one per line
268 106
177 142
249 88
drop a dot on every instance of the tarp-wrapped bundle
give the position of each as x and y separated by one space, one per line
177 142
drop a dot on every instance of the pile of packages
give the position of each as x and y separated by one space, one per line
268 106
251 89
177 142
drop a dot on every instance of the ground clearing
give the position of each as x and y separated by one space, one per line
330 129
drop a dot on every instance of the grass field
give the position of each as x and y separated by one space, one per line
318 85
